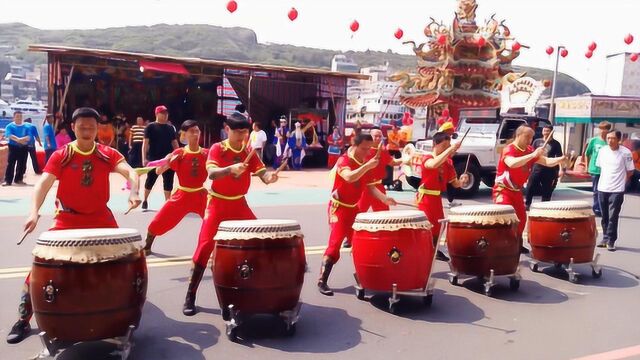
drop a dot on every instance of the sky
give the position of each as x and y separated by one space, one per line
325 23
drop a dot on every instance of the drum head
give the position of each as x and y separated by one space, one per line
258 229
570 209
483 214
391 220
88 245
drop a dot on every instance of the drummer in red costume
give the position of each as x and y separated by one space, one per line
230 169
513 170
82 169
438 172
348 186
189 163
375 176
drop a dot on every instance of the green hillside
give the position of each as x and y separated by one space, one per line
213 42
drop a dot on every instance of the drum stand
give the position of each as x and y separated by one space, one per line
51 347
596 270
426 294
233 319
489 282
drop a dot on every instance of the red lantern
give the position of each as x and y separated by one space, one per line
633 57
481 41
355 25
549 50
588 54
546 83
293 14
628 39
516 46
564 52
398 34
593 46
232 6
442 39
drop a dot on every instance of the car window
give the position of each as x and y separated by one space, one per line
509 128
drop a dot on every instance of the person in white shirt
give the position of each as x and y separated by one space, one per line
616 165
257 139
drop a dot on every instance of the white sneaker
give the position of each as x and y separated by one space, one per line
453 204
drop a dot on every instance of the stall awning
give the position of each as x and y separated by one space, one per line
166 67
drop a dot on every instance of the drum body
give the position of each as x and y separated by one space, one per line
88 284
392 247
258 265
562 230
483 238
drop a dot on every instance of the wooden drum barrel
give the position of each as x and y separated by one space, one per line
481 238
561 230
258 265
392 247
88 284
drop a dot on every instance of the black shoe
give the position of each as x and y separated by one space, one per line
145 206
611 246
324 289
189 307
441 256
6 184
603 244
346 245
19 331
524 250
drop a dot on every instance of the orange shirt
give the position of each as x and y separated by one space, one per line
393 138
636 159
106 134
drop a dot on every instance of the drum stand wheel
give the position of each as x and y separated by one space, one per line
51 347
426 294
359 289
489 282
289 317
596 270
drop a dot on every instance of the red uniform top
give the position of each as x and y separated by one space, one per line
514 178
83 177
379 172
438 178
222 155
343 191
190 166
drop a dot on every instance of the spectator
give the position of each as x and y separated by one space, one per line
50 144
31 146
18 134
257 139
544 179
593 147
393 142
106 133
159 141
136 138
123 137
616 166
635 178
62 137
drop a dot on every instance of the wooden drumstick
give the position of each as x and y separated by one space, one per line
379 149
466 167
465 134
282 166
131 207
24 236
547 141
407 204
246 161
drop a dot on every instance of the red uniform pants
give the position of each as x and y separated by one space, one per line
431 205
504 196
218 210
368 200
66 220
341 220
176 208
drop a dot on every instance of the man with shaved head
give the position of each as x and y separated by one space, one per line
514 168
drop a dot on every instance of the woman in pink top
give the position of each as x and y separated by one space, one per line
62 138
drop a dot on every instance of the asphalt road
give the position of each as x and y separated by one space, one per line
547 318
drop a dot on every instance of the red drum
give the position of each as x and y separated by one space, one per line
561 230
258 265
88 284
481 238
392 247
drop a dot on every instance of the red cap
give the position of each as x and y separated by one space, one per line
160 108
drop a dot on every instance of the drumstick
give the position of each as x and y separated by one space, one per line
547 141
378 152
407 204
24 236
465 134
131 207
466 167
246 161
282 166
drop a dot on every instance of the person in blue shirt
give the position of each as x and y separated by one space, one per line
31 146
49 137
19 135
